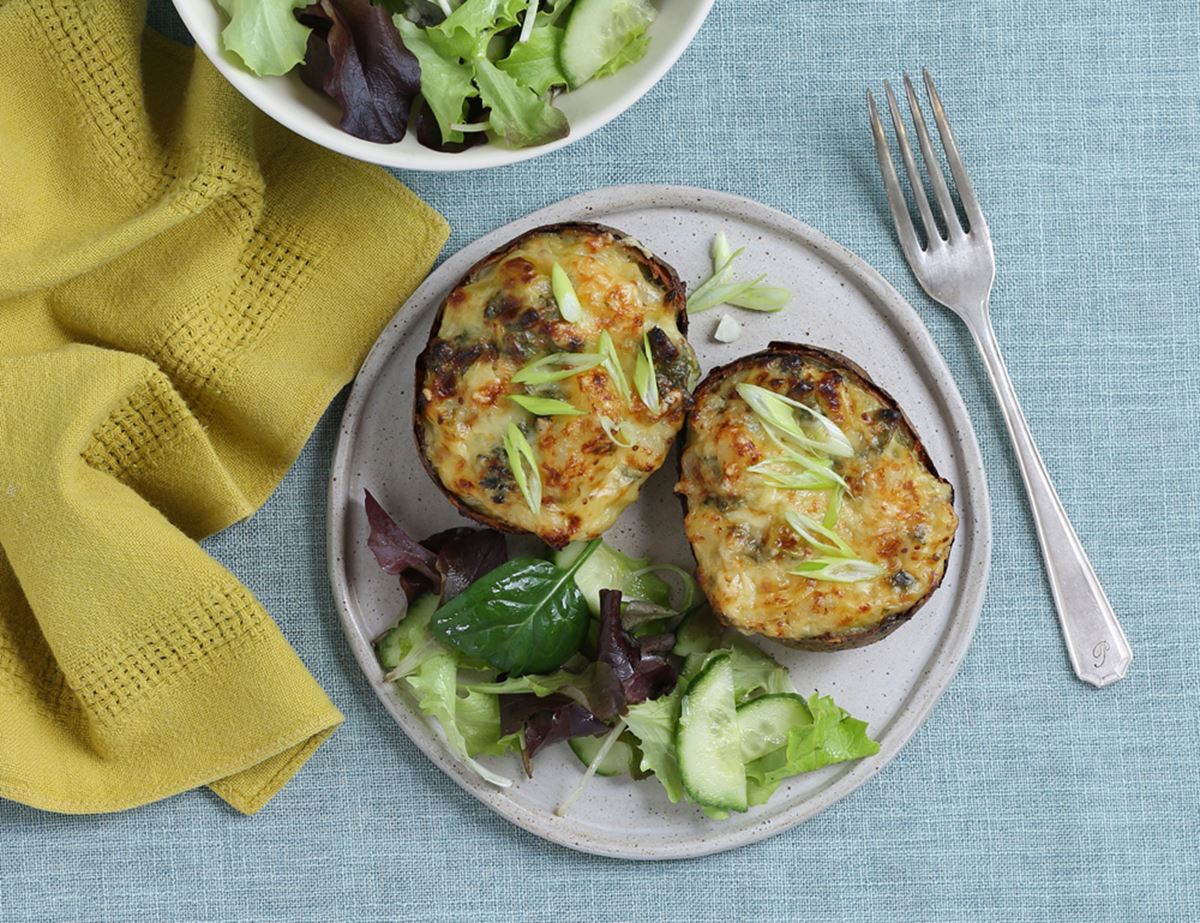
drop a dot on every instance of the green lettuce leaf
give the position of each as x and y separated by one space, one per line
534 62
265 34
654 723
833 736
471 720
519 117
445 81
755 672
633 51
465 33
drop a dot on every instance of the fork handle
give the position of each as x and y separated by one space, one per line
1095 642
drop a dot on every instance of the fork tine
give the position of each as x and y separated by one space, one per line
900 216
932 167
966 192
932 236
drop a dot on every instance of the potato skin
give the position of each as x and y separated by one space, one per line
653 268
831 640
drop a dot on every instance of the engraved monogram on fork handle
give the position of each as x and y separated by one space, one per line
957 271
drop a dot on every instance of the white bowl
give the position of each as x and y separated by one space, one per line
306 112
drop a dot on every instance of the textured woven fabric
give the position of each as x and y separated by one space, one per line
167 262
1027 795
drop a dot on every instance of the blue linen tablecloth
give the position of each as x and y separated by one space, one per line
1027 795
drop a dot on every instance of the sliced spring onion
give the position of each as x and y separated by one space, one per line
612 365
727 330
556 367
722 288
564 293
711 291
818 537
617 432
545 406
791 460
774 411
833 508
690 590
530 18
791 480
645 379
720 251
837 570
520 454
759 297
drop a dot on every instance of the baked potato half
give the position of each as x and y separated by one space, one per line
815 515
555 380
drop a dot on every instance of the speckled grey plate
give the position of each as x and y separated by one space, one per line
840 303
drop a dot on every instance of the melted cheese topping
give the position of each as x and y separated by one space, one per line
899 515
504 316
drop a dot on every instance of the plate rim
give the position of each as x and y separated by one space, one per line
948 654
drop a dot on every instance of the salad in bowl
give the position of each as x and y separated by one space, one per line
443 84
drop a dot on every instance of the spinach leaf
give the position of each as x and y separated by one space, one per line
526 616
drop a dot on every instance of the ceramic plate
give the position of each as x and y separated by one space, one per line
839 302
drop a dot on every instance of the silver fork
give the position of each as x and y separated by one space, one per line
957 271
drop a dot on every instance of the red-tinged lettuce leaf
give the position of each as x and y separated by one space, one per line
546 720
464 555
637 664
364 67
446 563
394 549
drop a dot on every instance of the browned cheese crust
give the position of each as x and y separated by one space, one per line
502 316
899 513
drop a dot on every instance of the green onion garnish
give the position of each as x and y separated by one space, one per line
774 410
837 570
564 293
615 431
545 406
820 538
644 377
612 365
720 250
758 297
556 367
833 508
722 288
520 454
703 297
791 479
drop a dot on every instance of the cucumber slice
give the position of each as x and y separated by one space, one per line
709 746
698 633
764 724
395 644
621 758
596 33
609 569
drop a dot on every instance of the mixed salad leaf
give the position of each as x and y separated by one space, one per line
355 56
463 70
512 655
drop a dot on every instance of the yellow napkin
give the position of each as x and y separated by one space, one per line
184 286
